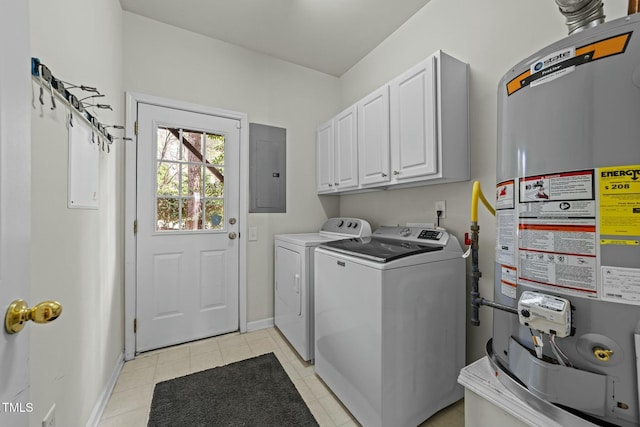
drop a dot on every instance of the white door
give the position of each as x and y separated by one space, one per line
187 226
14 206
413 122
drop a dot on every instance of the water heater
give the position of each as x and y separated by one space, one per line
568 226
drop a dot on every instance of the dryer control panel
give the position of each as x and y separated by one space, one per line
349 227
422 235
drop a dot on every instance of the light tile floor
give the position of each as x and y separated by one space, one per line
130 401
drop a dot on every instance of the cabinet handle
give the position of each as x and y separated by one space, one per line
330 185
384 175
336 184
396 173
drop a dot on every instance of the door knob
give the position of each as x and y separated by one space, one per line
19 313
233 235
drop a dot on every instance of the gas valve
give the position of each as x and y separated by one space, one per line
602 354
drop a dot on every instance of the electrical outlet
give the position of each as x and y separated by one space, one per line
50 419
441 206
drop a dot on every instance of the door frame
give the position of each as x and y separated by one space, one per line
131 103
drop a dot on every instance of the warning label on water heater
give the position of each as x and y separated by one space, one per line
621 284
620 200
557 232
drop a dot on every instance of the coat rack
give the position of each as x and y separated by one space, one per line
60 89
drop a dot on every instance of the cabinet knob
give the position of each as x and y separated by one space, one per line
396 173
384 175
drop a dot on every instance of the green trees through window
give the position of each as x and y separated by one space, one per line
190 180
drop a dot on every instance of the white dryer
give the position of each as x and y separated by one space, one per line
390 323
294 271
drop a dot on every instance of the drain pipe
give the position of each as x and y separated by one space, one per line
581 14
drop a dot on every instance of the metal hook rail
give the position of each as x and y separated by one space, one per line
59 88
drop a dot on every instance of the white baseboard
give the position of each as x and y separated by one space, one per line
101 404
260 324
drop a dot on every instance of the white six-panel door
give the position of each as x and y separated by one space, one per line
187 226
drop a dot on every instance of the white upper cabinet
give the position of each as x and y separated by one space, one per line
345 149
337 153
414 151
324 157
373 138
412 131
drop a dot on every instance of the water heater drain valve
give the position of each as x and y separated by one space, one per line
545 313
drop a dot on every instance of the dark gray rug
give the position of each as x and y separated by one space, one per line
254 392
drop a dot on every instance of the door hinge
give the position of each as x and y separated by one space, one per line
135 127
135 325
135 226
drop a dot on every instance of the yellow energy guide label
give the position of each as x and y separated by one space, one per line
620 200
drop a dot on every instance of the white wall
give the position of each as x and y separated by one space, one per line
76 255
491 36
165 61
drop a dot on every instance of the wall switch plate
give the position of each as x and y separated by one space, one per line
50 419
441 206
253 234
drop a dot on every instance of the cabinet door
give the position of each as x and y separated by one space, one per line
373 138
345 153
324 157
414 151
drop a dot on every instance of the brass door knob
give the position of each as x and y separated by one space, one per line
19 313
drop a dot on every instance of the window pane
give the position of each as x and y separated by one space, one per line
168 178
214 145
192 142
168 214
192 180
214 184
214 214
191 214
168 144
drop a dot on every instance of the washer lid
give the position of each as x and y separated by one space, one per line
379 249
307 239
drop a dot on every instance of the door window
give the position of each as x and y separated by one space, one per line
190 180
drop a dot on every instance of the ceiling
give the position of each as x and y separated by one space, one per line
326 35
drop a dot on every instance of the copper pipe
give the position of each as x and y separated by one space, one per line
634 7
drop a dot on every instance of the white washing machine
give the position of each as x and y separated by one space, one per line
293 299
390 323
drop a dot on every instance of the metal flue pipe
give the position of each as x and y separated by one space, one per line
581 14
